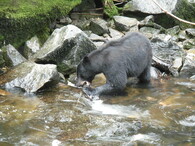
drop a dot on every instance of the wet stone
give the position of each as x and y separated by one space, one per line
168 51
188 68
173 31
65 20
33 77
150 30
99 26
190 32
14 56
123 23
148 20
189 44
65 47
32 46
149 7
177 63
182 35
115 34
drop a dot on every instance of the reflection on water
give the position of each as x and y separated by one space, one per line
162 113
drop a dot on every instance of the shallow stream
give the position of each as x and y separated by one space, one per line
160 114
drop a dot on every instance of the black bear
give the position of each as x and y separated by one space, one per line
129 56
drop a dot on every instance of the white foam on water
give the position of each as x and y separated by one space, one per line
121 110
189 121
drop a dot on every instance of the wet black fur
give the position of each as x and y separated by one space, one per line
129 56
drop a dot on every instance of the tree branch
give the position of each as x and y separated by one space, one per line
168 13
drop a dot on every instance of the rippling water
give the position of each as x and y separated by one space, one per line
162 113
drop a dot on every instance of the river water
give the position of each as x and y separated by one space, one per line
162 113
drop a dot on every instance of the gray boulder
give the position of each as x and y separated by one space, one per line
169 53
99 26
123 23
13 55
65 47
31 77
189 44
174 30
190 32
65 20
149 7
115 34
181 8
188 68
97 40
151 30
32 46
182 35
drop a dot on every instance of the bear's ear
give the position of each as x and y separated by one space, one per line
86 59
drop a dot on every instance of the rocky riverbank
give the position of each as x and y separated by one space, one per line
42 65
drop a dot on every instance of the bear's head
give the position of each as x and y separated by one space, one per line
85 73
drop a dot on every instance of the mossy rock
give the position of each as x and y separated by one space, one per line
186 11
65 69
22 19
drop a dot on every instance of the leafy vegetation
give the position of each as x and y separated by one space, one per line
109 8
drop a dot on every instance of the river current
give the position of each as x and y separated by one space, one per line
162 113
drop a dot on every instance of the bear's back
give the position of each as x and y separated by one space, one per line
130 43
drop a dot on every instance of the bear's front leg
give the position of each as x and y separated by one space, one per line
89 91
96 92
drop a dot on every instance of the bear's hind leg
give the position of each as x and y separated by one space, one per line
145 76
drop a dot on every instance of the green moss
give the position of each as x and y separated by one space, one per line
43 35
164 20
30 8
22 19
186 11
65 69
110 9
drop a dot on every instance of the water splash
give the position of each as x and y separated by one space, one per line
108 109
189 121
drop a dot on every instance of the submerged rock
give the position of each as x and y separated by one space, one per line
65 47
31 77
